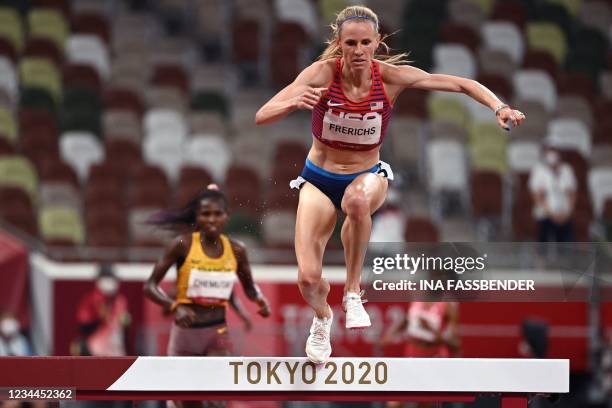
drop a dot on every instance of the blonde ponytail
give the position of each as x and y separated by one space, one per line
361 13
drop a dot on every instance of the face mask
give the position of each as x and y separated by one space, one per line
9 327
108 286
551 158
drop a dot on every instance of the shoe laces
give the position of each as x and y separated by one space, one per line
319 332
361 300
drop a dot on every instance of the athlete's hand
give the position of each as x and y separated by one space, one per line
184 316
309 98
508 114
264 308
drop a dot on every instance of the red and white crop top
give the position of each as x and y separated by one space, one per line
343 124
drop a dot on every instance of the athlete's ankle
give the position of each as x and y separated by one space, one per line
324 313
352 289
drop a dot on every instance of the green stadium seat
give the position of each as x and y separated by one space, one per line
10 27
329 8
571 6
8 126
549 37
81 110
556 14
488 146
57 223
18 171
37 98
588 53
41 73
244 224
448 109
485 5
210 100
50 24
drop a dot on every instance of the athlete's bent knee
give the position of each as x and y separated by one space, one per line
309 278
356 204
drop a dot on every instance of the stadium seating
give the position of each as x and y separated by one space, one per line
108 115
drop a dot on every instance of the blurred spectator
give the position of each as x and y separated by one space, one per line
12 341
430 330
553 186
103 318
12 344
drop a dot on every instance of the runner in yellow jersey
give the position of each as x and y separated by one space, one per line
208 264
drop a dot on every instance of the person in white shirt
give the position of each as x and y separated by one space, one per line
12 341
553 186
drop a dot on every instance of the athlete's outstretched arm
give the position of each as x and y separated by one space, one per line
246 279
405 76
303 93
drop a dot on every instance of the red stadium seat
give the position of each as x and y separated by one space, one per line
288 32
288 150
583 215
82 75
580 166
460 34
603 132
107 225
420 229
63 6
192 180
523 223
602 109
486 189
123 152
5 146
243 189
412 102
280 197
102 193
107 171
21 218
576 84
499 85
122 98
92 23
149 187
17 209
53 169
170 75
44 48
8 50
542 60
285 66
37 119
245 37
149 195
513 12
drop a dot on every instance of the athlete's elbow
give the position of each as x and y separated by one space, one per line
260 118
147 289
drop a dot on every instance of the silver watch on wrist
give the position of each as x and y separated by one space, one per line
500 107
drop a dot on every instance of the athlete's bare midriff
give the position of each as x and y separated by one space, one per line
342 161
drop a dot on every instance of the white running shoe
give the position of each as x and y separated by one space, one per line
318 345
356 315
